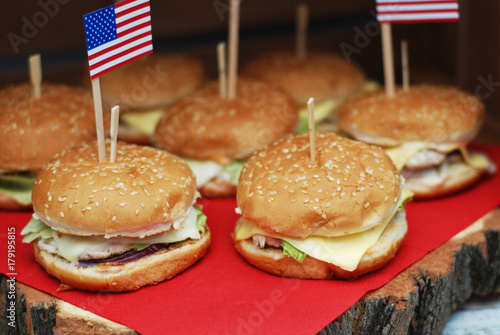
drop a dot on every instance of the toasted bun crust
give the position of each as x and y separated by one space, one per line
217 188
33 130
11 204
203 125
273 261
319 75
452 183
143 193
152 81
351 188
436 114
162 265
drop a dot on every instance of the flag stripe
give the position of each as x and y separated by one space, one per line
410 2
422 17
419 21
399 8
418 12
141 23
115 51
124 38
123 60
132 29
132 12
131 20
123 5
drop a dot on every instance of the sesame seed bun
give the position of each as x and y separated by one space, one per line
319 75
33 130
427 113
151 82
145 192
154 268
352 187
273 261
203 125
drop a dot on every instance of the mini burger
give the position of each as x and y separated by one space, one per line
425 131
33 130
116 226
215 135
144 87
339 217
327 77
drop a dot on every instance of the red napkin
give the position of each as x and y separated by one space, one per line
222 294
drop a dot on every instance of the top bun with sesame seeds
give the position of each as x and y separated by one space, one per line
33 130
429 113
143 193
205 126
352 187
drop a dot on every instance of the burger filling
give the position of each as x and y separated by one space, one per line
94 250
17 185
143 121
343 251
206 170
424 164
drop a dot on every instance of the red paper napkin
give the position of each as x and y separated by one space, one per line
222 294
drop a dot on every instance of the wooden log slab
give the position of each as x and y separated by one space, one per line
421 298
417 301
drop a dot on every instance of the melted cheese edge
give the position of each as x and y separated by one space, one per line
145 121
343 251
71 246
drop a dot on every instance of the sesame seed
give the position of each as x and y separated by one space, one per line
61 214
114 218
367 204
137 212
50 198
70 206
46 206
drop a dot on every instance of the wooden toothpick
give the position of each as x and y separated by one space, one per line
99 123
115 116
312 132
233 48
35 66
388 59
221 62
405 66
302 21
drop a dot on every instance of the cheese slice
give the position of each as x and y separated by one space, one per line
146 122
71 246
343 251
204 170
400 155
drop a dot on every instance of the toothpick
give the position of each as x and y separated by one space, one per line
115 116
99 123
221 61
388 59
405 66
233 47
35 66
302 21
312 132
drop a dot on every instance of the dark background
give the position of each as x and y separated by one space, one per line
464 53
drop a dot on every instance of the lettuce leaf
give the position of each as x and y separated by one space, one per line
36 229
201 219
233 169
290 251
17 186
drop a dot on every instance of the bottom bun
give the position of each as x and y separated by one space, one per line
11 204
161 265
217 188
273 261
432 183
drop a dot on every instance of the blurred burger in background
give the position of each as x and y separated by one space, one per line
215 135
426 131
144 87
328 78
33 130
338 217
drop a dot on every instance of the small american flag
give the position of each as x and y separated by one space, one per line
413 11
117 35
